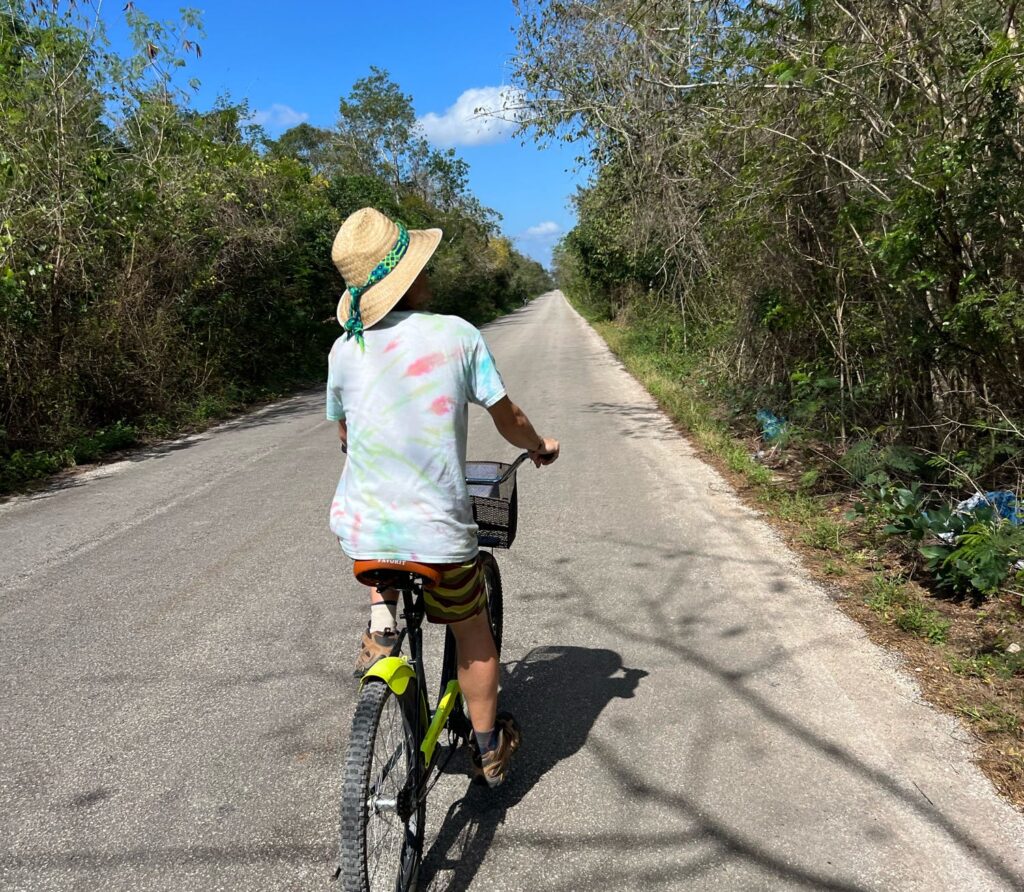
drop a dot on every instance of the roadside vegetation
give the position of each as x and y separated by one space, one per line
803 234
160 266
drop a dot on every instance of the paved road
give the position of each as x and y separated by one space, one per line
176 632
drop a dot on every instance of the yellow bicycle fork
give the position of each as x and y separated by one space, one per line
396 673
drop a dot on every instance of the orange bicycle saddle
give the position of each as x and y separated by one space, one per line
384 572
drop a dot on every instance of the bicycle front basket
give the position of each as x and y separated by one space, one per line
495 505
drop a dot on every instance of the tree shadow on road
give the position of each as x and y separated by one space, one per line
557 694
689 636
637 420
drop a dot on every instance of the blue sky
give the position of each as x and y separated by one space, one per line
292 62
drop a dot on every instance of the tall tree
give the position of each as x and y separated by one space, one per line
836 185
377 127
315 147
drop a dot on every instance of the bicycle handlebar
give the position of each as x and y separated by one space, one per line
497 481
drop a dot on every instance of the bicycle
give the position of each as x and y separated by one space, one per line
393 758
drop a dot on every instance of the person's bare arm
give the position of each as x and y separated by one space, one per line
512 423
343 434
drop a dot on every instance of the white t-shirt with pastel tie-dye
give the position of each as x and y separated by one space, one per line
405 401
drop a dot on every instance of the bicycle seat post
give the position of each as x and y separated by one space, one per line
412 614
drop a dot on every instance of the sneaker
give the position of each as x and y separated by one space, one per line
493 765
373 647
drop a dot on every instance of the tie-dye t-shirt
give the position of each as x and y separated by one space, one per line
405 401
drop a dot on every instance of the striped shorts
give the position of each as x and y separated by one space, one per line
460 594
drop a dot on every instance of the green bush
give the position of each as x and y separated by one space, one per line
981 558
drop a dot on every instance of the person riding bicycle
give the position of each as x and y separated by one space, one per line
399 384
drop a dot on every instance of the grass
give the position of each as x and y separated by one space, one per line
988 665
793 505
990 718
893 600
833 568
21 467
923 622
888 595
685 407
816 529
824 533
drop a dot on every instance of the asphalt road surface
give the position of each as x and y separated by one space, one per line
177 629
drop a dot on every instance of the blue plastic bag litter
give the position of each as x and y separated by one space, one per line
772 427
1003 503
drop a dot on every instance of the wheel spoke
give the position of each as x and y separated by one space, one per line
376 785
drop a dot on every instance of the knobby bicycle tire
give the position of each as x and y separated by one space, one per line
355 874
494 597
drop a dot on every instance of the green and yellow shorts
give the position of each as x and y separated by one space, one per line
460 595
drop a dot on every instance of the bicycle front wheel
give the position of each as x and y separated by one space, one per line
382 816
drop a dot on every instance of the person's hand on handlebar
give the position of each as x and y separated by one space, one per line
546 452
514 426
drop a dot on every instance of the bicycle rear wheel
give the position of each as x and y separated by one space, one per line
492 579
381 820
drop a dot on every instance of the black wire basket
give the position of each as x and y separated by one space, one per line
495 507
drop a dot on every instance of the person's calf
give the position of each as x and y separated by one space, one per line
478 670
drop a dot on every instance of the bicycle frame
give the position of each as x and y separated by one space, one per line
449 699
397 672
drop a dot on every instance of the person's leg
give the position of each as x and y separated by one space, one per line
383 610
460 600
381 634
497 734
478 670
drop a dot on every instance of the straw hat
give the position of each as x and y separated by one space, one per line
379 259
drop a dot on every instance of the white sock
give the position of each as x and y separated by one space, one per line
382 616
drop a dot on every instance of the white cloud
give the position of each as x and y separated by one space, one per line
480 115
277 117
541 231
539 241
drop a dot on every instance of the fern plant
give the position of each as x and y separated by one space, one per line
981 558
871 465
